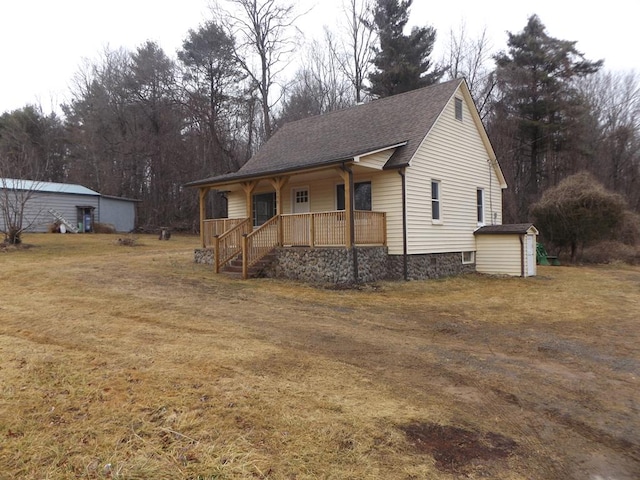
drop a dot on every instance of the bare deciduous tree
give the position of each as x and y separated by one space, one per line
263 33
355 54
614 102
320 86
15 195
471 59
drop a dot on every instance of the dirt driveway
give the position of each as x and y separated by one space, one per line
539 381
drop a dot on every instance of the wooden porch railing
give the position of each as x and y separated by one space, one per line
218 226
370 227
327 229
228 245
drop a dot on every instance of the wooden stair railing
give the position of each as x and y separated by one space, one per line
229 245
218 226
259 243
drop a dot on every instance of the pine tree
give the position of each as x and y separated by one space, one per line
401 61
539 103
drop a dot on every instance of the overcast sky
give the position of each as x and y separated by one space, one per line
43 42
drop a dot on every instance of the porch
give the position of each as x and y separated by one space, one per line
230 238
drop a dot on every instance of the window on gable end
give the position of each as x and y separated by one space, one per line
435 201
458 102
480 206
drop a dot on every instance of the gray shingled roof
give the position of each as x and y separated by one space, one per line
513 228
340 135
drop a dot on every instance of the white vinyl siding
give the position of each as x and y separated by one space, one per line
376 160
499 254
454 153
321 193
236 207
386 196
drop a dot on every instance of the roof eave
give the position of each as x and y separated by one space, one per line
231 179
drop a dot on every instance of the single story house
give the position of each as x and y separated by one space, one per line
390 189
76 206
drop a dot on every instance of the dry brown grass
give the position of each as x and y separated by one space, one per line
137 363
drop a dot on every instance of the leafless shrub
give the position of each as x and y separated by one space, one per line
104 228
629 230
127 241
611 251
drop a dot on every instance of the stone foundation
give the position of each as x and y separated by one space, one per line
429 265
335 265
329 265
203 255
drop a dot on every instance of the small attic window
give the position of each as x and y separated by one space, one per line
458 108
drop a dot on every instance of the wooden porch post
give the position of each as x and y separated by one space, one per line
347 178
203 191
245 259
248 188
278 184
216 254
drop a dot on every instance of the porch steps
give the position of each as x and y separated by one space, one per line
234 268
70 226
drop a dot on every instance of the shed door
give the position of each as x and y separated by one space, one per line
530 254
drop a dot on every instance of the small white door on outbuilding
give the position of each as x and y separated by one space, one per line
530 255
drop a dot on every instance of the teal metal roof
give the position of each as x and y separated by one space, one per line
51 187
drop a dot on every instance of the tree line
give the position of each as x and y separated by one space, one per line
142 123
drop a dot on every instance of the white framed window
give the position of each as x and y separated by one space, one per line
436 207
302 196
480 206
468 257
458 103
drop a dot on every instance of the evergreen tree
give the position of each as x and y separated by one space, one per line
402 61
540 109
212 81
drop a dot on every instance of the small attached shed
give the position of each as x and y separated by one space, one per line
506 249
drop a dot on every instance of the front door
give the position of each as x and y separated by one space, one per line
264 207
300 231
300 199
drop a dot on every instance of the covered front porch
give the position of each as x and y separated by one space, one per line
279 212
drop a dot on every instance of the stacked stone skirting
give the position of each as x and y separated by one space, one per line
429 265
203 255
329 265
336 265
